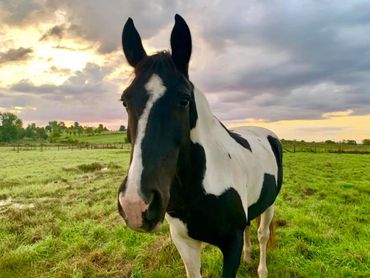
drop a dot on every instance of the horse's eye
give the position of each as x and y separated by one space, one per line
124 103
185 102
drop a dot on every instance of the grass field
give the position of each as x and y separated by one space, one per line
58 218
103 138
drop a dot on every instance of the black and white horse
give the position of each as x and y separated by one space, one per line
208 181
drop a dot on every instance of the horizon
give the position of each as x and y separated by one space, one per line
299 69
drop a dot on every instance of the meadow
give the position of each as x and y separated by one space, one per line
58 218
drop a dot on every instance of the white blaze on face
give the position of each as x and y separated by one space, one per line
132 203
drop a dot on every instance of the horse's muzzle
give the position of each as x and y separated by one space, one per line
138 215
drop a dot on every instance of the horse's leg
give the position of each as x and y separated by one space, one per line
188 248
263 237
247 245
231 248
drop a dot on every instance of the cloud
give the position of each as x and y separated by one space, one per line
102 23
337 114
85 96
55 32
18 12
15 54
61 31
88 83
62 71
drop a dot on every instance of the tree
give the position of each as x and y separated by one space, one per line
351 142
329 142
89 130
100 129
11 127
30 131
41 133
54 129
122 128
62 126
366 141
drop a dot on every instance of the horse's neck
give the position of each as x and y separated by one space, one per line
217 145
208 131
200 160
206 124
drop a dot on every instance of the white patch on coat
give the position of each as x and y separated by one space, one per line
156 90
246 169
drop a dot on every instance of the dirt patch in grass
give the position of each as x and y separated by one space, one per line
280 222
309 191
10 204
91 167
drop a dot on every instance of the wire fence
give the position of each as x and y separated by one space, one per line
290 147
293 147
60 147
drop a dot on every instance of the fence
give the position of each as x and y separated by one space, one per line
291 147
46 147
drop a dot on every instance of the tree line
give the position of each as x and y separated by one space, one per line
11 129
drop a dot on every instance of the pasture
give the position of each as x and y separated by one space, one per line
58 218
103 138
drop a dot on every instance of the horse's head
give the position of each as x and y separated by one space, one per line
160 107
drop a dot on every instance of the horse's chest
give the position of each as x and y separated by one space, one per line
213 218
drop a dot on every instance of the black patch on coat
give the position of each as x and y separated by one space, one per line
209 217
213 217
237 137
267 197
187 187
218 220
240 140
278 152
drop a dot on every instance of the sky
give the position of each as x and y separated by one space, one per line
300 68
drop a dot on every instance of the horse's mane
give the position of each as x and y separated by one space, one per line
159 62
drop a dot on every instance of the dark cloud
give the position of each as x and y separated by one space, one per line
63 71
86 85
18 12
86 96
61 31
58 31
15 54
101 22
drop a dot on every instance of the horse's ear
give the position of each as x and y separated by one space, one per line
131 43
181 44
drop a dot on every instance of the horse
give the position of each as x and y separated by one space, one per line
207 181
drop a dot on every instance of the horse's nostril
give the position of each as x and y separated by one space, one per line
154 207
149 215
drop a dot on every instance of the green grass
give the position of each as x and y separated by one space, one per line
104 138
58 218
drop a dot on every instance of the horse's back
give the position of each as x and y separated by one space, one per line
255 131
